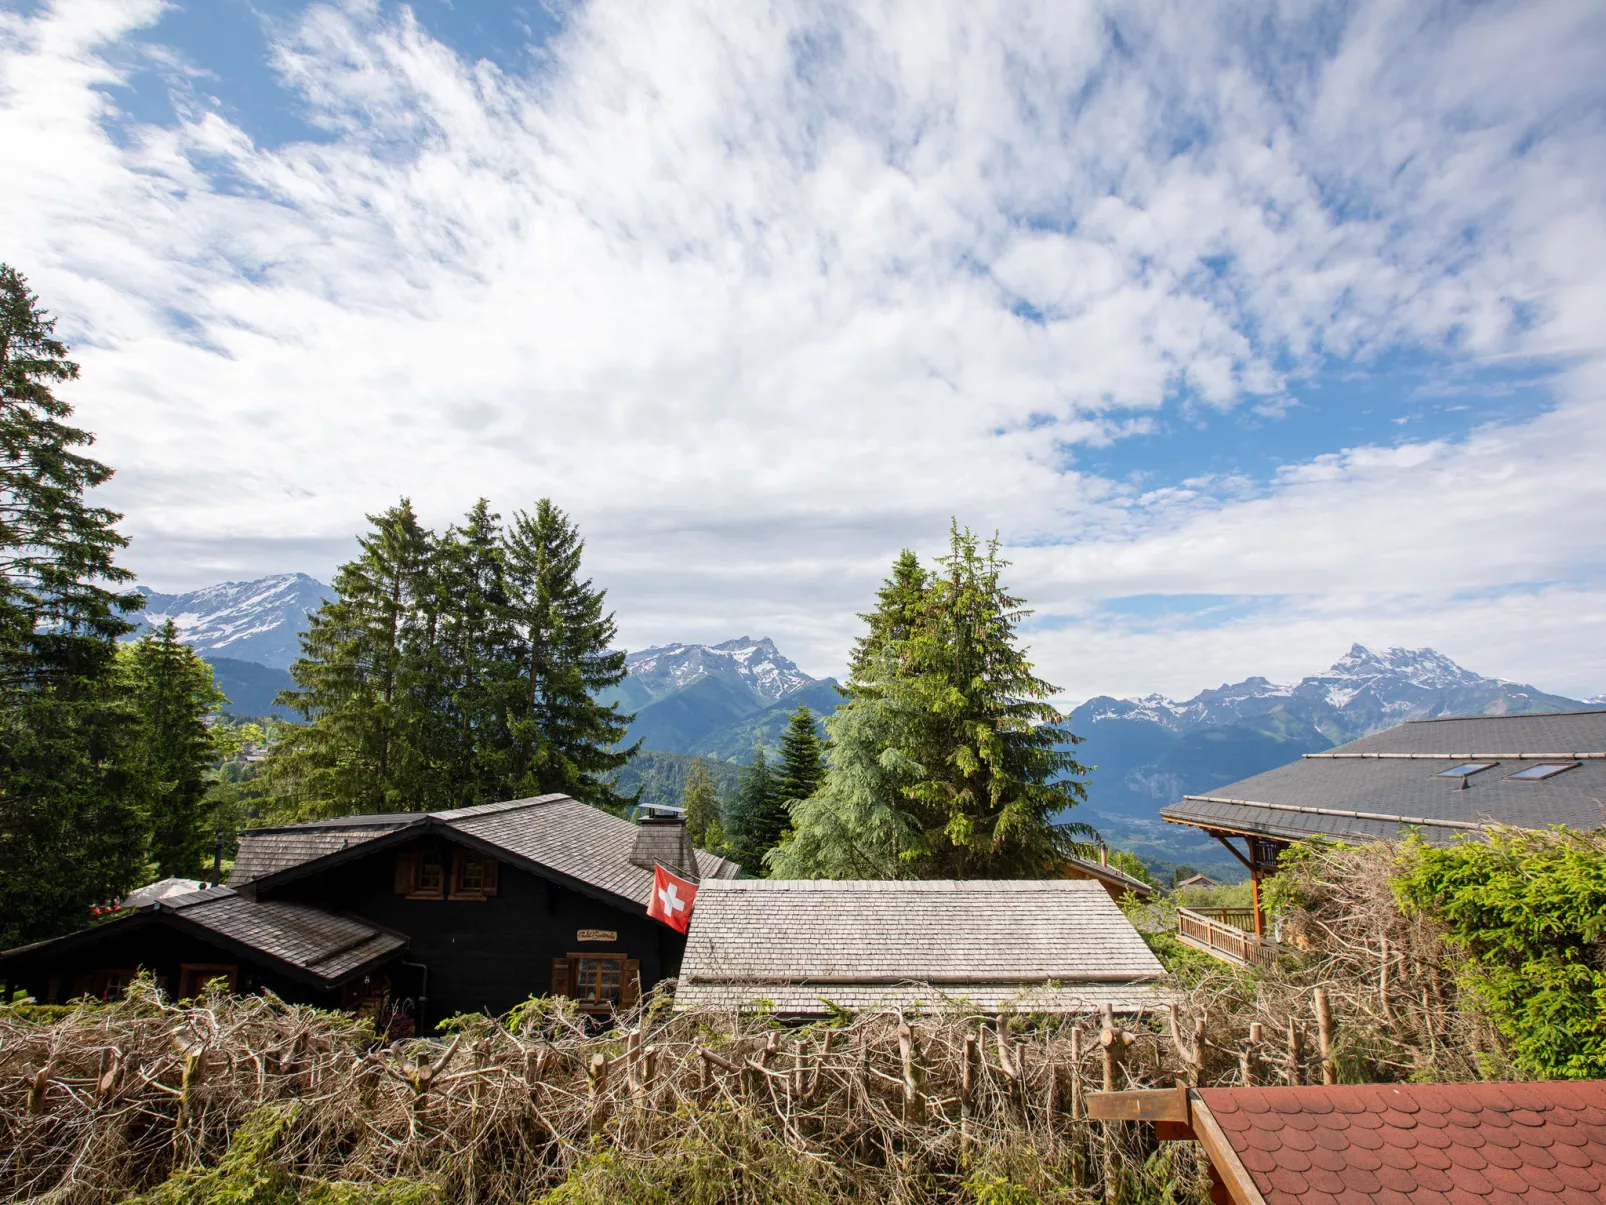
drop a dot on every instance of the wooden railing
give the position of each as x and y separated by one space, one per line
1227 933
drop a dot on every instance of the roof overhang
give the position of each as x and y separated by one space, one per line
173 918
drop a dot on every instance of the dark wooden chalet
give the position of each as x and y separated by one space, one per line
437 913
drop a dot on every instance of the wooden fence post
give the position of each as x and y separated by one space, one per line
597 1093
1293 1069
1247 1057
914 1101
967 1091
1326 1031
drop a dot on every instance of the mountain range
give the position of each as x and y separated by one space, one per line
1152 751
719 700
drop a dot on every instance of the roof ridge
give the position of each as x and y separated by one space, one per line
503 805
1518 715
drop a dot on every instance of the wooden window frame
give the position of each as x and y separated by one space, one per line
208 971
410 875
566 980
461 858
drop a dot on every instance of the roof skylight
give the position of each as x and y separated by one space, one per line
1532 773
1465 769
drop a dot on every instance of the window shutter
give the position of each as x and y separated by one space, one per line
455 887
406 873
560 976
490 876
630 984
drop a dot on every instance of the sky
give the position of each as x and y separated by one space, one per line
1252 330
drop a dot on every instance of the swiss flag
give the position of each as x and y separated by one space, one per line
672 898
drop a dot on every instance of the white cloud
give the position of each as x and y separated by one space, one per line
736 283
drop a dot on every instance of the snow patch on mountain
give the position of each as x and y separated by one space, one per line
758 664
258 621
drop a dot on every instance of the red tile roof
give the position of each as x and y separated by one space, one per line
1420 1144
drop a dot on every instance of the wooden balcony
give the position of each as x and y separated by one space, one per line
1227 934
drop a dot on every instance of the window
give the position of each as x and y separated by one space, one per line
1466 769
431 876
597 981
1534 773
194 976
473 875
420 875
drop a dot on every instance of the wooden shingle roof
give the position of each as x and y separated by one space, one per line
1047 945
555 832
325 945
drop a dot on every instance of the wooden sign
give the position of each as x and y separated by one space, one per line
596 935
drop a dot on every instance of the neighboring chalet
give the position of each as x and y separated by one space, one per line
801 947
435 913
1386 1144
1115 880
1439 779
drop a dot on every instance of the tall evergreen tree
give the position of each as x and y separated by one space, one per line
70 833
700 799
901 607
950 758
173 695
359 748
757 815
562 738
802 764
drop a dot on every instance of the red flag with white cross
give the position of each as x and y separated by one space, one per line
672 897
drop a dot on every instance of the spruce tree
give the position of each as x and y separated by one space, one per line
802 764
356 689
901 607
700 799
950 758
758 816
70 833
562 738
173 695
475 661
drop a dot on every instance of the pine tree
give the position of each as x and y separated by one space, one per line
359 750
758 816
949 762
562 738
802 764
700 798
70 833
173 695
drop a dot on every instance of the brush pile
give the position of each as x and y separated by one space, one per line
151 1096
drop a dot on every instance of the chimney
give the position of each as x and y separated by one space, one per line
1104 854
663 839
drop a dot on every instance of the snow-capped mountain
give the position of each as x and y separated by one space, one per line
1362 692
757 664
259 621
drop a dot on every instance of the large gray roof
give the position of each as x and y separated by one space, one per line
556 832
1385 785
1048 945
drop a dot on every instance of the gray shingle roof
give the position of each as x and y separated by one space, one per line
265 851
881 943
324 945
553 831
1383 786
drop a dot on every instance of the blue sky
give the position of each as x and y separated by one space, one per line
1254 333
